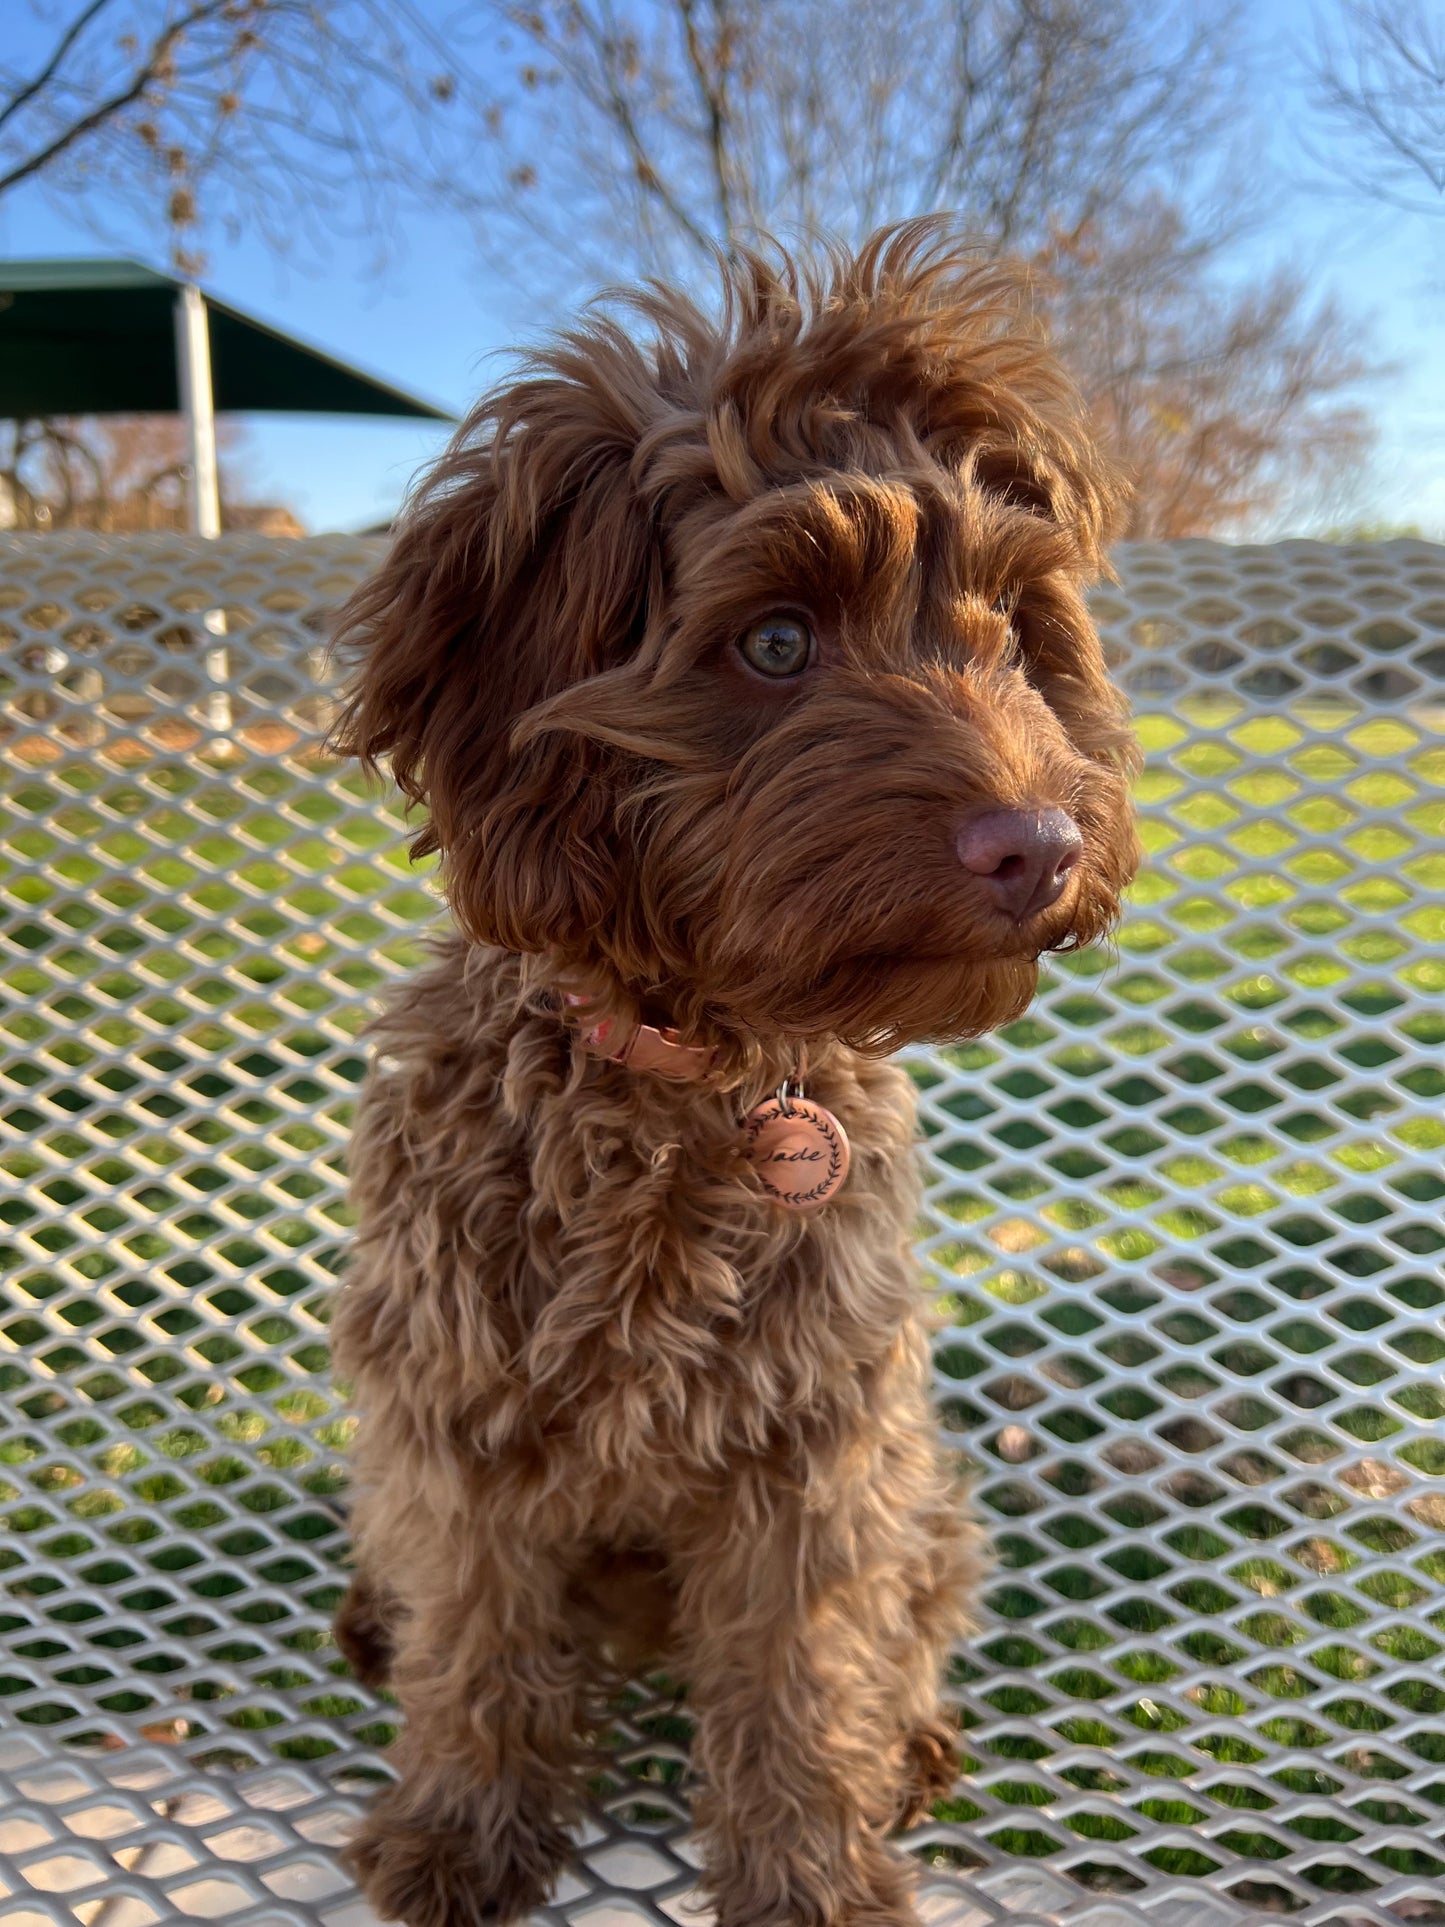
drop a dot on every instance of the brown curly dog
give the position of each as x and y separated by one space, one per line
742 668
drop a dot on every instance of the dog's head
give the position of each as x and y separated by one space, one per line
746 665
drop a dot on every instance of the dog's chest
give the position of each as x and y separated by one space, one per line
679 1315
576 1262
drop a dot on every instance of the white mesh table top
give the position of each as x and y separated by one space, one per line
1184 1219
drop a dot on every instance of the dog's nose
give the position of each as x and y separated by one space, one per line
1022 857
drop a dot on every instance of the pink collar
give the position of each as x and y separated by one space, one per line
798 1150
646 1048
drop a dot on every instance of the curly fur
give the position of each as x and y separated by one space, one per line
617 1409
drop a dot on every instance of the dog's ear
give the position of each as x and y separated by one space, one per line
521 566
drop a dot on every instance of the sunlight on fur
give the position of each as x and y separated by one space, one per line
705 651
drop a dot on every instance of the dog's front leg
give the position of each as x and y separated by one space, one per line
793 1620
490 1685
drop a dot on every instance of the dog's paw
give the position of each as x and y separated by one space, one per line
930 1757
451 1875
871 1888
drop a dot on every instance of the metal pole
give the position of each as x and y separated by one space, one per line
193 377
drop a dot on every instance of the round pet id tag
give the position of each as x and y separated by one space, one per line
799 1151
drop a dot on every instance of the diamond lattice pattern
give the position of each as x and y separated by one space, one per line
1184 1221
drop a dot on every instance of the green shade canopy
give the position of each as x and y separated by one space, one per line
99 338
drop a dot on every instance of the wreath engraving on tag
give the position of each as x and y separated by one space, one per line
799 1151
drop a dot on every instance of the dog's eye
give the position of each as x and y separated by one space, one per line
777 646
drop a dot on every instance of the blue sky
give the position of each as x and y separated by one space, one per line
432 322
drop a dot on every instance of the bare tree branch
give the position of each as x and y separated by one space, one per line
711 83
23 95
1379 87
592 140
148 74
119 472
298 118
1022 115
1226 404
1079 133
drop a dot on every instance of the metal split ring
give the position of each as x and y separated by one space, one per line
799 1072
